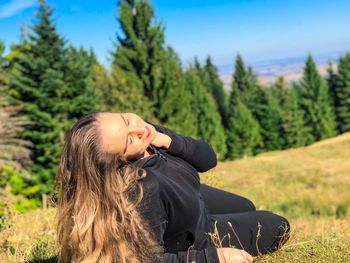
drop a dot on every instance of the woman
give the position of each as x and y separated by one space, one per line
130 192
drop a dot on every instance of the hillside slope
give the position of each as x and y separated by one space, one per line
301 182
309 186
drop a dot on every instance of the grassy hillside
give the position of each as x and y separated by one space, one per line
310 186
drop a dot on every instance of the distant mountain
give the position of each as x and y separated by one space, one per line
290 67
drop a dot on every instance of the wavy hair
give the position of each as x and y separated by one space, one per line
99 193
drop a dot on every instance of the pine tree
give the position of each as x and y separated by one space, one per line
174 99
263 107
208 121
245 82
13 151
137 58
2 59
279 91
315 103
243 131
240 77
3 63
80 93
268 115
243 134
217 89
50 81
295 133
99 78
342 107
202 74
331 80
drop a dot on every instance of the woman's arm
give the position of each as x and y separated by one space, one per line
196 152
153 211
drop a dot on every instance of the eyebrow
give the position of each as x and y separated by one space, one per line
126 143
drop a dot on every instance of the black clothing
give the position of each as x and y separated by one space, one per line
181 217
221 202
245 220
173 205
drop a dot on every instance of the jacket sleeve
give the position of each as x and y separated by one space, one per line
153 210
198 153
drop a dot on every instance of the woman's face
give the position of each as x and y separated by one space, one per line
126 134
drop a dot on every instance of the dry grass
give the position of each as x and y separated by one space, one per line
315 240
310 186
31 236
298 183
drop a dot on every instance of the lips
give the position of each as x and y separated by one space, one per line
148 132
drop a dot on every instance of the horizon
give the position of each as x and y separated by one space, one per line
283 30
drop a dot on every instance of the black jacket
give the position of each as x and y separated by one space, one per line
172 203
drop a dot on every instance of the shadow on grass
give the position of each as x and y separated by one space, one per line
50 260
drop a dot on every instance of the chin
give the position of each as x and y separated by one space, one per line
152 138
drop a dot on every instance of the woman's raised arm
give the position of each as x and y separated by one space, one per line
196 152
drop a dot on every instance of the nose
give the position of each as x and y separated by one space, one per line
137 130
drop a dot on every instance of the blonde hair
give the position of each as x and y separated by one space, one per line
99 193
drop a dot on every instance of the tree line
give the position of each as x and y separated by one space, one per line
46 84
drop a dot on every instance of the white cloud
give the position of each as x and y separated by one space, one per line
14 7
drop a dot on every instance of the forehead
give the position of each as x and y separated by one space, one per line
112 132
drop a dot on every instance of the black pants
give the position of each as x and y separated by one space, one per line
239 224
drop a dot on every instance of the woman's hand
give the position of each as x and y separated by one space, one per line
161 140
233 255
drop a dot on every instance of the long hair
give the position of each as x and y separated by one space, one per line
97 218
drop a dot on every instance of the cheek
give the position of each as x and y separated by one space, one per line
139 147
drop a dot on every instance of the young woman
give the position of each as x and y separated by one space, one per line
129 191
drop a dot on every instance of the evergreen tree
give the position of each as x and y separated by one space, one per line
342 107
2 59
137 58
331 80
3 63
263 107
208 121
268 115
174 99
98 78
202 74
80 93
50 81
243 131
315 103
217 89
295 133
240 77
279 91
245 82
13 151
101 80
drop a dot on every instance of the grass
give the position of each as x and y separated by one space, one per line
309 186
31 236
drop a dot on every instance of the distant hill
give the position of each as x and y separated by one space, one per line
291 68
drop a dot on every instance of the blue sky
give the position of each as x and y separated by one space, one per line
258 29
